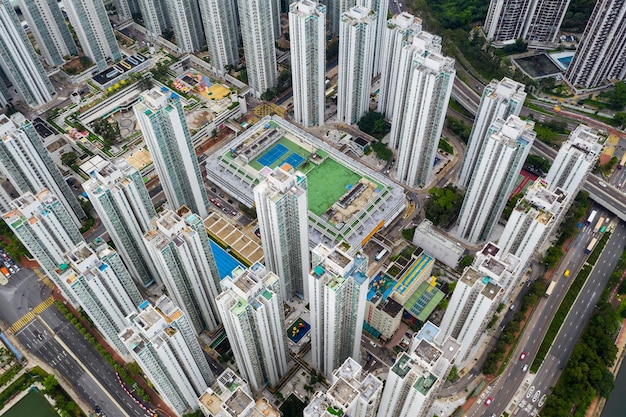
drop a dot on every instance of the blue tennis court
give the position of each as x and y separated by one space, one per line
294 160
273 155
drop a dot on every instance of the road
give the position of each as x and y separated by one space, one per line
510 389
55 341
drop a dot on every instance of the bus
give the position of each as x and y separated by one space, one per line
622 162
598 225
592 245
380 255
550 289
591 217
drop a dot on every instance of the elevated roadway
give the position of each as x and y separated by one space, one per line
603 193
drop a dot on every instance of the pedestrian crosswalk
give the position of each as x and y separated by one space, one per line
27 318
44 278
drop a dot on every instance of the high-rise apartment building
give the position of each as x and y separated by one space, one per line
46 229
184 16
473 303
28 165
532 221
181 251
336 9
501 158
220 28
307 37
601 55
395 59
230 396
19 61
123 9
252 312
337 297
282 208
104 289
356 61
500 99
535 21
381 7
416 375
154 15
574 161
47 24
421 99
258 38
162 341
354 392
162 122
119 196
95 34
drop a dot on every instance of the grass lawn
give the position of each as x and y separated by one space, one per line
327 183
33 404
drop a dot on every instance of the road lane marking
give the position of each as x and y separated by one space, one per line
28 317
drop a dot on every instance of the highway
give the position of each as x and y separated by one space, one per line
607 195
50 337
518 388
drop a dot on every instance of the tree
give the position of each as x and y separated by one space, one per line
382 151
50 383
616 97
268 95
133 368
68 159
109 131
374 124
443 205
466 261
145 83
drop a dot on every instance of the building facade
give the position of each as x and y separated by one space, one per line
500 99
535 21
501 158
180 248
335 9
395 63
307 31
420 108
28 165
337 297
47 24
104 289
252 311
91 23
574 161
258 43
532 221
154 15
601 55
356 60
416 375
220 28
184 17
162 121
45 228
119 196
19 61
162 341
282 209
354 392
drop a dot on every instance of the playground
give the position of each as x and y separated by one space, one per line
298 330
524 181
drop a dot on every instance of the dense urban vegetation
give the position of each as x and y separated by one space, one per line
443 205
374 124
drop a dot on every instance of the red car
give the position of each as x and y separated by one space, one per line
522 356
488 400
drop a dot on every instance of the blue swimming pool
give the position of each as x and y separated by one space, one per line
225 262
565 60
